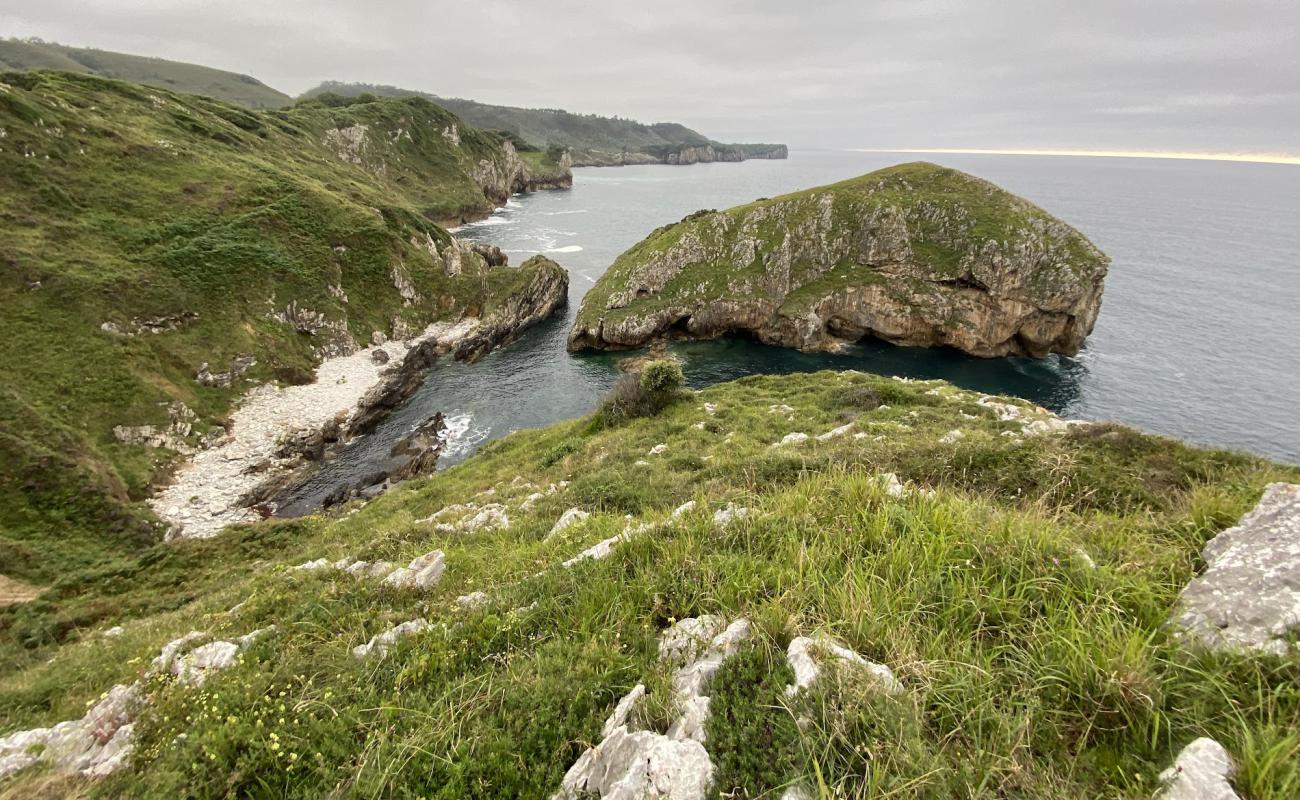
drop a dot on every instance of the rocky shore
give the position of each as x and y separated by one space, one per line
916 255
277 432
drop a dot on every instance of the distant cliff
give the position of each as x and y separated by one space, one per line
593 140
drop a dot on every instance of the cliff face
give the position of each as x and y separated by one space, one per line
916 255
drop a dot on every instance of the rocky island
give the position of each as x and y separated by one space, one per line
916 254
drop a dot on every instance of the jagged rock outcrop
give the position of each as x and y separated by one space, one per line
916 254
1248 598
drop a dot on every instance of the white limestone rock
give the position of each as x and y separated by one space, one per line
422 573
473 600
1200 772
683 510
731 513
834 433
1248 598
807 655
571 517
380 643
192 668
659 449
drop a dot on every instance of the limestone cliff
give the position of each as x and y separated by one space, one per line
915 254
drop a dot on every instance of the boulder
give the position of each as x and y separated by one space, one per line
1248 598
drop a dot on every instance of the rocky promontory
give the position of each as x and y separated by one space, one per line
915 254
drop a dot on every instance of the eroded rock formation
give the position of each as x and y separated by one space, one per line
917 255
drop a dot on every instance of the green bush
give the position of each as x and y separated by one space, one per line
644 395
662 378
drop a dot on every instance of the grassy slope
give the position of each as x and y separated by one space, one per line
120 201
1028 674
545 127
996 215
16 54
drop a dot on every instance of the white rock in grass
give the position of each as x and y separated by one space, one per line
710 408
780 409
807 654
381 642
685 638
1005 412
834 432
473 600
699 426
1248 598
422 573
634 765
571 517
952 437
683 509
1041 427
799 791
623 711
792 438
893 487
312 566
192 668
113 632
1200 772
489 517
94 745
599 550
530 501
659 449
163 661
725 516
639 765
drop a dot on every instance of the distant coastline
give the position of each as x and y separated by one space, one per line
1254 158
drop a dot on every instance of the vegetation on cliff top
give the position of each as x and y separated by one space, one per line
244 90
1021 605
584 134
142 208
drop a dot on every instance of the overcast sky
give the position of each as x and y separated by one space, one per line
1095 74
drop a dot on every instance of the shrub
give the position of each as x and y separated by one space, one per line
662 378
642 395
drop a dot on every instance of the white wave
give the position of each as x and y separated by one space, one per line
573 248
492 220
461 435
562 213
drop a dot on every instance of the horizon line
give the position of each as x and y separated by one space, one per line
1254 158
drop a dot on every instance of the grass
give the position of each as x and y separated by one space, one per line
124 203
17 54
1027 673
773 253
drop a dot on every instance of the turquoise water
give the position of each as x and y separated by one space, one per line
1196 338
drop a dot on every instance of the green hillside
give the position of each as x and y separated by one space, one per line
19 54
1016 586
148 233
590 136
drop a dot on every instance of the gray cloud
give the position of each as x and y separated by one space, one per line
1106 74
